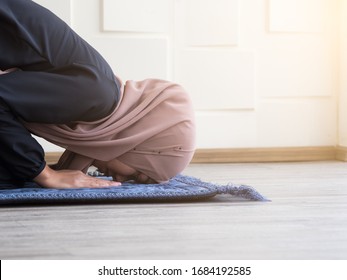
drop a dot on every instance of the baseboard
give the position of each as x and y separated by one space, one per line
341 153
256 155
264 154
52 157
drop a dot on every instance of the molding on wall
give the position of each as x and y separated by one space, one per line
52 157
264 154
255 154
341 153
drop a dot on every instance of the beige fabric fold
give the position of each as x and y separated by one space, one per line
152 129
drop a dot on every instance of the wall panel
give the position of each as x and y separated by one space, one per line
211 22
296 15
218 79
296 122
235 129
296 72
137 15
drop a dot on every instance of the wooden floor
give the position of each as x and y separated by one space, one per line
307 219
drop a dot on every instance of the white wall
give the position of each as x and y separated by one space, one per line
262 73
343 77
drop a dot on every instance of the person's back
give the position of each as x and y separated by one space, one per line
60 79
70 93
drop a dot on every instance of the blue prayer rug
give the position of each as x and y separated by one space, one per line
179 189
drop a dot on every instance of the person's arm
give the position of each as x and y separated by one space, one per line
65 179
24 158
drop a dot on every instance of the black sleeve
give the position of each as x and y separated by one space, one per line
21 154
